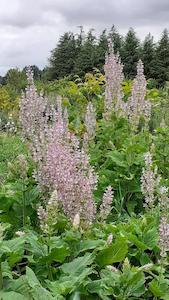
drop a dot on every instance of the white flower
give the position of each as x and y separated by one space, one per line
20 233
76 221
110 239
111 268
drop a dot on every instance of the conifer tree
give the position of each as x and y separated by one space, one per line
116 39
101 50
161 67
87 57
15 79
130 53
79 54
36 72
80 38
63 57
148 56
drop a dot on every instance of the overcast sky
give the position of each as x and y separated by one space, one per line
29 29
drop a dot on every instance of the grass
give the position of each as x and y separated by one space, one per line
10 147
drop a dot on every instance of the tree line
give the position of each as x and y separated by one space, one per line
80 53
77 54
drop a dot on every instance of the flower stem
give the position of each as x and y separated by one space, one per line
23 207
1 278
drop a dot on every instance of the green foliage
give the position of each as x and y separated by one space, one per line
86 58
62 60
118 159
35 264
4 99
73 264
116 39
148 56
10 147
16 80
161 69
130 53
113 254
118 259
101 49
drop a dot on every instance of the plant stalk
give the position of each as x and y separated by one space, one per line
1 278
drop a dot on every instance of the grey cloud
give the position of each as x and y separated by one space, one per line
122 12
29 29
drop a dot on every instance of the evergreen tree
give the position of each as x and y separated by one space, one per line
148 56
101 50
63 57
15 79
80 39
79 54
45 74
130 53
161 65
87 57
36 72
116 39
2 80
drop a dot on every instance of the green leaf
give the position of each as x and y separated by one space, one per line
113 253
35 246
65 285
136 285
118 158
90 244
20 285
12 296
31 278
37 291
150 238
100 288
6 271
144 259
160 288
68 284
136 241
78 264
58 255
75 296
40 293
13 250
15 245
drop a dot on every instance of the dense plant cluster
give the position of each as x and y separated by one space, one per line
84 191
76 55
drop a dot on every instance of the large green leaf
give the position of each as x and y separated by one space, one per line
135 286
160 288
20 285
90 244
37 291
59 250
12 296
31 278
35 245
13 250
78 264
56 255
15 245
113 253
100 288
150 238
68 284
136 241
117 158
6 270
